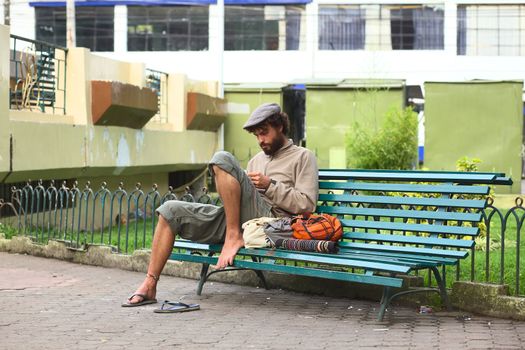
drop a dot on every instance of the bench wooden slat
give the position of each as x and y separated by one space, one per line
399 213
423 172
391 200
345 252
388 187
464 178
300 256
417 258
398 226
498 179
296 270
405 249
444 242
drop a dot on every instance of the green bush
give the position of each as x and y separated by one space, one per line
467 164
392 146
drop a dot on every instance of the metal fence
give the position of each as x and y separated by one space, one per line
125 221
37 76
158 81
122 219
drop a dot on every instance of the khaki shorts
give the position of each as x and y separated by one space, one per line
206 223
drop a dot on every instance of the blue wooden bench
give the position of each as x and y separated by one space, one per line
395 223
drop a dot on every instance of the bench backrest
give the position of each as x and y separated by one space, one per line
430 215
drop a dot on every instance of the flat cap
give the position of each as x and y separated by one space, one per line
261 113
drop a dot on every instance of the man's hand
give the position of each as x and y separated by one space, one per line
259 180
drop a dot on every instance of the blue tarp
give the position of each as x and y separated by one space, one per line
165 2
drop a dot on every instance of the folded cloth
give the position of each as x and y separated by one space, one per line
253 233
307 245
280 228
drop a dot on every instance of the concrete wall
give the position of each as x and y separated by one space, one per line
478 119
102 68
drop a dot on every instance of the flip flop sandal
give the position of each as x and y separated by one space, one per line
172 307
145 301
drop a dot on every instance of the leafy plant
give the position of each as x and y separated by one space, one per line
392 146
467 164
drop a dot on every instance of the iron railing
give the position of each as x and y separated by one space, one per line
122 219
37 76
125 221
158 81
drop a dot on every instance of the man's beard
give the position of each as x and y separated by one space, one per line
273 147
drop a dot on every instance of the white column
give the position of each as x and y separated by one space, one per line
312 34
216 50
71 27
450 27
120 27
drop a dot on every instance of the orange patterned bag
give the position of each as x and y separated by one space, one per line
323 227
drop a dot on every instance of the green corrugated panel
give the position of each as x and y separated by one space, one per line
331 110
477 119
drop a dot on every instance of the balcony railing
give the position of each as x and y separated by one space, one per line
158 81
37 76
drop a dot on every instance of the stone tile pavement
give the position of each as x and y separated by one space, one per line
52 304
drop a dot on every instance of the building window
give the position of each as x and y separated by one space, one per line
491 30
381 27
168 28
264 27
51 25
341 27
94 26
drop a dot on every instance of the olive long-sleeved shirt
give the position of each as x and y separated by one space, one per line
295 172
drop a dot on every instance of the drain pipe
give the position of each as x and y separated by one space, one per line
10 159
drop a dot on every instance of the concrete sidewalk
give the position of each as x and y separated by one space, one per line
52 304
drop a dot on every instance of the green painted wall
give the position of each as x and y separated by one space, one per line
475 119
330 113
240 105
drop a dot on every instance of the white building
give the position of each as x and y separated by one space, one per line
280 40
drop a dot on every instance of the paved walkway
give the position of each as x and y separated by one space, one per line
52 304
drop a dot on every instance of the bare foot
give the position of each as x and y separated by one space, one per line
148 288
228 252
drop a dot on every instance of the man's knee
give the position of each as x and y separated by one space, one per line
224 162
223 157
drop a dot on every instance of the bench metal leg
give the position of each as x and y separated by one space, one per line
442 287
260 274
385 300
204 277
389 295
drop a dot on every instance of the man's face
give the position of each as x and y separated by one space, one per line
270 139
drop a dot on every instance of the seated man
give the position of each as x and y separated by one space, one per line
281 181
